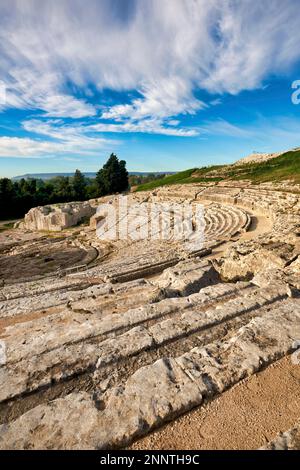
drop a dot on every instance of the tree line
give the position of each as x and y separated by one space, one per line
17 197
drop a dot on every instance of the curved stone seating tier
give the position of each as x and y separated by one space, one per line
71 328
107 351
223 222
151 330
147 256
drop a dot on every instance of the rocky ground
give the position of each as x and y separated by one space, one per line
115 339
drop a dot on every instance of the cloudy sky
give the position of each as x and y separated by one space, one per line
166 84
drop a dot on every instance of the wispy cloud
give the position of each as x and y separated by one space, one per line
164 49
61 140
26 148
168 97
272 135
146 126
57 56
28 89
224 128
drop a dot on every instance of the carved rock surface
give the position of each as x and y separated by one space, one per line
155 393
119 337
59 216
288 440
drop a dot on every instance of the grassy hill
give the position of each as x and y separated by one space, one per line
286 166
192 175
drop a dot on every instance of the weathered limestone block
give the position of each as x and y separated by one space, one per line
288 440
67 423
192 320
36 350
269 277
46 300
257 158
262 341
49 333
48 284
295 266
187 277
118 299
292 273
219 194
155 393
41 370
150 396
94 220
59 216
244 260
134 341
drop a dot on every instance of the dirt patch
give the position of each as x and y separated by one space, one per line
39 259
244 417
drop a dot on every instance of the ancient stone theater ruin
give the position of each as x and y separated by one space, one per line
104 341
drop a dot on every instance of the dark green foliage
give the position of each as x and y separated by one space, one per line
7 196
79 186
16 198
113 177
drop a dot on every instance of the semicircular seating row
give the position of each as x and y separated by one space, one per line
221 222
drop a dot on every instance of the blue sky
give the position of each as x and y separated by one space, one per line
165 84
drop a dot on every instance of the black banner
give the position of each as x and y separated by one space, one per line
133 459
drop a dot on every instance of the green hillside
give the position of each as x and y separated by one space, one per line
192 175
287 166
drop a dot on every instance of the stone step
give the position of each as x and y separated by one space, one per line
34 361
157 393
38 302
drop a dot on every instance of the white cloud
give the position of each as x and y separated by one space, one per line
54 53
165 49
215 102
66 106
255 39
62 140
164 98
26 89
224 128
26 147
88 135
146 126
